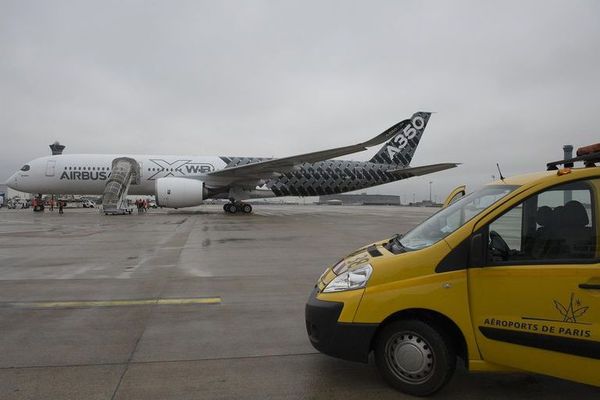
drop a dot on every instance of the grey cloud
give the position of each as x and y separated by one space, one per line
511 82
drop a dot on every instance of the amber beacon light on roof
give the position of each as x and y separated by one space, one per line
590 155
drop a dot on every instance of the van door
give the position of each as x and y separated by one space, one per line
50 167
535 300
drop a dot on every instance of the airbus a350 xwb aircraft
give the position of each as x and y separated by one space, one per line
185 181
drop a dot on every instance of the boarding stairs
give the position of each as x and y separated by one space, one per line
125 172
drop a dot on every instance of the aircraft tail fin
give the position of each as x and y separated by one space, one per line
400 149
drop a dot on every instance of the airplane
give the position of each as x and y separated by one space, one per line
186 181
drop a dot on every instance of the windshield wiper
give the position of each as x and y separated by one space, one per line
395 245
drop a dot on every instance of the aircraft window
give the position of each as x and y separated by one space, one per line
25 167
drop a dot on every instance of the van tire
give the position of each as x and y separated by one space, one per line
433 357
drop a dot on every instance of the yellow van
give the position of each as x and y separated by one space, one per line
506 278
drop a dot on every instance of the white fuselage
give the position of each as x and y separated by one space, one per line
88 173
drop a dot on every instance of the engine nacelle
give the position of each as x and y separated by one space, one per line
179 192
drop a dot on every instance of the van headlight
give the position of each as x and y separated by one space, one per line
353 279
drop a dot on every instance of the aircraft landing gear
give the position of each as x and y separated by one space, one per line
235 207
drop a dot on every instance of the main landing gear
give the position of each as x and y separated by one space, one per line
237 206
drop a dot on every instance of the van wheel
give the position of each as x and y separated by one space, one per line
414 357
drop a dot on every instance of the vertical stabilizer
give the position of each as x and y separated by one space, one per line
401 148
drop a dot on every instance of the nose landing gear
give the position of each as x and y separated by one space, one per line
237 206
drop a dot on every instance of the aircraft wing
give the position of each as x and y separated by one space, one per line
270 168
404 173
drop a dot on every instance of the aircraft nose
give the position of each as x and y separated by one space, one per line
12 182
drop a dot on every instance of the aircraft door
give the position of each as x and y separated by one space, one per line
51 168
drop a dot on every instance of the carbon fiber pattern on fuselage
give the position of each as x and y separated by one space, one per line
324 177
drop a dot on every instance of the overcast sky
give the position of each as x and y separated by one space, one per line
510 82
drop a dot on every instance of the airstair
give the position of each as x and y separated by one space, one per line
125 171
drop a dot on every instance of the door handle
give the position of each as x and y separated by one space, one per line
589 286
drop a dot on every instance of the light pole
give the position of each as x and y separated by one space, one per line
430 182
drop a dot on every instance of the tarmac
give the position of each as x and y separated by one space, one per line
194 304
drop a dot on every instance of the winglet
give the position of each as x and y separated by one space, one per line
394 130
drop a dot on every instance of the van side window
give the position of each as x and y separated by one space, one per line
557 225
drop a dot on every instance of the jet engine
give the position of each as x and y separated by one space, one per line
179 192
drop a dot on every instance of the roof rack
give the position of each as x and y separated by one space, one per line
588 154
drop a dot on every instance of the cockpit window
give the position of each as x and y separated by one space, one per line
25 167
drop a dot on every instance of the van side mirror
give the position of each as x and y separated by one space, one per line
476 251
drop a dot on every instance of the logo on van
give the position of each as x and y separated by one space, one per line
573 311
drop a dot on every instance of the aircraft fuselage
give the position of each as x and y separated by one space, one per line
88 174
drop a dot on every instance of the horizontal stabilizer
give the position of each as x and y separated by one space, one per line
404 173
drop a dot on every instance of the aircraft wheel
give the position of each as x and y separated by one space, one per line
233 208
247 208
226 207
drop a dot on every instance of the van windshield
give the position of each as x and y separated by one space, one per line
449 219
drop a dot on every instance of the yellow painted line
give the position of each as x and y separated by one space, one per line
117 303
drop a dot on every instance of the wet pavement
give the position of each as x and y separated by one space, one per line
98 307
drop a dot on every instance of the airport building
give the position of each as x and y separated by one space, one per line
3 193
361 199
